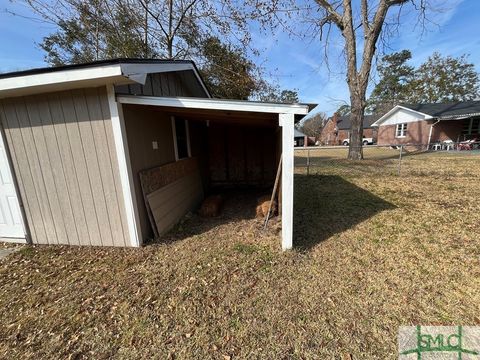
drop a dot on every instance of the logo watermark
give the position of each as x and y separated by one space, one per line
439 342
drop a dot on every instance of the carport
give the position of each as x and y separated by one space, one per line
236 143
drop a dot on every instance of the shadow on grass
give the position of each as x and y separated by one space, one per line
326 205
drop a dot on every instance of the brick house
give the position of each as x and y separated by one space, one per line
337 129
429 123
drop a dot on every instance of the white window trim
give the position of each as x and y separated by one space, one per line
174 133
403 130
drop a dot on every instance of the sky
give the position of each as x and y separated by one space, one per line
294 63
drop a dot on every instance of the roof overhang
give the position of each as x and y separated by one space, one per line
459 117
394 110
26 83
215 104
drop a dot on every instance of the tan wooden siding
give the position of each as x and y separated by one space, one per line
143 126
66 166
171 202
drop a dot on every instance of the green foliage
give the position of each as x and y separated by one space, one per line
344 109
270 93
444 79
395 80
94 32
227 71
439 79
97 30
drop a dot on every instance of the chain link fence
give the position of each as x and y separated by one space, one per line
392 160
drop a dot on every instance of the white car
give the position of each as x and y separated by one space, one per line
365 141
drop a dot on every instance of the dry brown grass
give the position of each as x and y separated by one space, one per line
376 252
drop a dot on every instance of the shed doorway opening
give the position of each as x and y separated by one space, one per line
201 152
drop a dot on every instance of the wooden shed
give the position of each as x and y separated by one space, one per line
94 154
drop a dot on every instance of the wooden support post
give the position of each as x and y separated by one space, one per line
287 122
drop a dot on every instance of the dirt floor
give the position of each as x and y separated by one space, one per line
374 251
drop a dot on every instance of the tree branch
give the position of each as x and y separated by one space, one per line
332 14
365 22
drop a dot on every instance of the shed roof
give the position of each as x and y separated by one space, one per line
115 71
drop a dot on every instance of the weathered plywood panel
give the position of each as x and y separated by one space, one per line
64 160
171 191
170 203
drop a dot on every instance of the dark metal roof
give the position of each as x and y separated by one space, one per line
344 122
447 110
94 64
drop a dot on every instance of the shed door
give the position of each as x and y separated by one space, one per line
10 218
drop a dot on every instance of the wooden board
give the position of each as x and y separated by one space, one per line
175 187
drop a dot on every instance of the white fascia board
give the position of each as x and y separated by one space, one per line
135 69
214 104
394 110
59 77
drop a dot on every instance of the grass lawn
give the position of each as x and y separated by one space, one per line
374 251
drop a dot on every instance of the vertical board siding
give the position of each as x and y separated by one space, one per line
65 163
81 169
38 126
33 163
75 201
90 151
23 177
115 169
51 150
180 83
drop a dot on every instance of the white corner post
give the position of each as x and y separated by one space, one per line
126 175
287 122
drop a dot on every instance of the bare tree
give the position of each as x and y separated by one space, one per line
340 13
362 25
313 125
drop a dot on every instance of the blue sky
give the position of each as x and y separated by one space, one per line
295 64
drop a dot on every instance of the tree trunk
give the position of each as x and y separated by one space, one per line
355 149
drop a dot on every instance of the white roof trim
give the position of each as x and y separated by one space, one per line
395 109
59 77
215 104
122 73
458 117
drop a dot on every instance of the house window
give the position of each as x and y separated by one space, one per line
180 138
401 130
